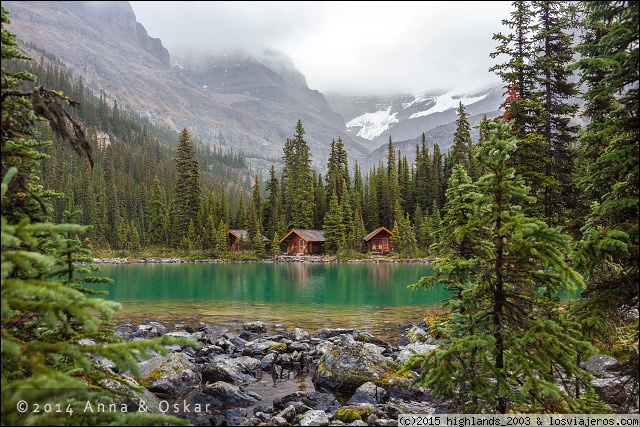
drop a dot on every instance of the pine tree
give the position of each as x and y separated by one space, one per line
298 181
523 105
555 87
334 228
222 239
403 238
508 343
187 194
271 205
337 170
319 202
47 316
462 150
608 251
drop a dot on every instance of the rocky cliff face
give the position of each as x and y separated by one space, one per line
237 102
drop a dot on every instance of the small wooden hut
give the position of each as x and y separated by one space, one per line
301 241
379 241
238 240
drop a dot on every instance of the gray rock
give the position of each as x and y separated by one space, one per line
170 375
278 421
235 340
601 366
300 335
299 346
368 393
329 333
255 327
418 334
418 347
385 422
239 370
611 390
231 395
267 361
314 418
344 369
288 413
135 400
236 416
261 346
312 399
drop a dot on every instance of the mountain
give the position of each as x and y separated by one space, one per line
404 116
235 101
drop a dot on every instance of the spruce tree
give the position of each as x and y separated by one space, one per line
508 345
187 194
222 239
404 238
298 181
47 317
337 170
555 87
462 149
608 252
271 205
333 226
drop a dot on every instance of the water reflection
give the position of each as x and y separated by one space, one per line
314 296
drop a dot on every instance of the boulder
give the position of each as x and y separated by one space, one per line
231 395
239 370
344 369
314 417
170 375
368 393
255 327
601 366
418 347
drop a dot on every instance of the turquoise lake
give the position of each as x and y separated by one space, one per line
372 297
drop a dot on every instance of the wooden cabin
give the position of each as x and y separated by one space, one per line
379 241
301 241
238 240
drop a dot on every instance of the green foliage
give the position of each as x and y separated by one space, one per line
187 193
52 330
404 240
608 252
508 342
334 228
298 181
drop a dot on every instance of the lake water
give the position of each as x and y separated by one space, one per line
371 297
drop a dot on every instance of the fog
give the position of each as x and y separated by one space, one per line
344 47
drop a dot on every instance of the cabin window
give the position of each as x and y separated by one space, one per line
301 243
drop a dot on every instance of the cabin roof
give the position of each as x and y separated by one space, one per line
376 231
242 234
307 235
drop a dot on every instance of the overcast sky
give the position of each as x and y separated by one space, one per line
345 47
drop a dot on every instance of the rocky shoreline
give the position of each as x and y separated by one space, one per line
257 376
278 259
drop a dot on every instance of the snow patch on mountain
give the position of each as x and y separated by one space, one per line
446 102
374 124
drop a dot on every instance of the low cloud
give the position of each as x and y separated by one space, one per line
345 47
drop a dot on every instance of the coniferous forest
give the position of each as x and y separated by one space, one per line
544 203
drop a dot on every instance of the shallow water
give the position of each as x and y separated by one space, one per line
371 297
